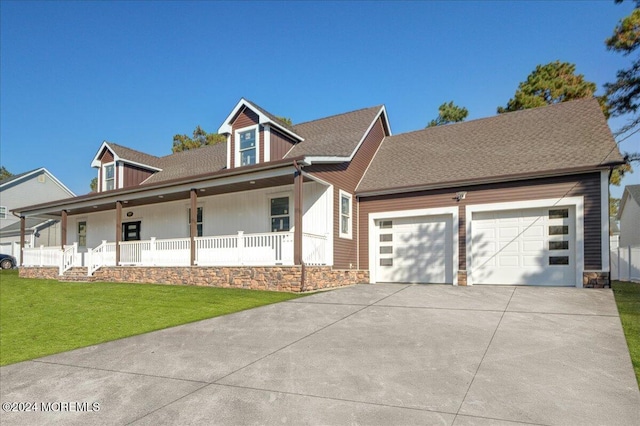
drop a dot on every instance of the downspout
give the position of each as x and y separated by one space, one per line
299 206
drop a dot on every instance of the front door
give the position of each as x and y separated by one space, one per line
131 231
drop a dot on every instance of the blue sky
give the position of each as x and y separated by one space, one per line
76 73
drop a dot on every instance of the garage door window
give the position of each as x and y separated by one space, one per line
558 230
558 213
558 245
558 260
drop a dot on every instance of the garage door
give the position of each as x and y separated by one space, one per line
415 249
527 247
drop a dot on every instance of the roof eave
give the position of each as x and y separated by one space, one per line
65 204
482 181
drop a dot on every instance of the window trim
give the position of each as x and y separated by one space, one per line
4 212
236 148
78 232
104 176
349 233
289 197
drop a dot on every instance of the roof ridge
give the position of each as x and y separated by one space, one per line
339 114
495 117
184 151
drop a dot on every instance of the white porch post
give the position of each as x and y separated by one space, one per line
152 250
240 247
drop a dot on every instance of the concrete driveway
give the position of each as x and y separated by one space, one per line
368 354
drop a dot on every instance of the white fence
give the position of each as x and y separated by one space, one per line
625 263
12 249
273 248
268 249
314 249
42 256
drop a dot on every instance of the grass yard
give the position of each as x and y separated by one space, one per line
628 300
44 317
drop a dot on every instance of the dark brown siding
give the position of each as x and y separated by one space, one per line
587 185
245 118
107 157
280 145
346 176
134 176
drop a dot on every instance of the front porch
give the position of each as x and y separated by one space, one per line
260 249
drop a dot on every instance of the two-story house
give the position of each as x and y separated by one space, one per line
34 186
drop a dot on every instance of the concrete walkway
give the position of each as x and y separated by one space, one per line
369 354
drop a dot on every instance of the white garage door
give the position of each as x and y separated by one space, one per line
415 249
528 247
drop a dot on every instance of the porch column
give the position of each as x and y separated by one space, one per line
297 217
118 230
193 228
22 231
63 230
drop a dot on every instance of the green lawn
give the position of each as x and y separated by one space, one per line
628 300
43 317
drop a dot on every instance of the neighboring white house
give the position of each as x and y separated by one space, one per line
629 216
32 187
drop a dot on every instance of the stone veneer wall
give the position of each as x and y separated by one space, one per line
274 278
462 278
42 272
596 280
321 277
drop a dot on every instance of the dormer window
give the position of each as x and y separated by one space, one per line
109 177
247 146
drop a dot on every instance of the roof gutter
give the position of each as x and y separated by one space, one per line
495 179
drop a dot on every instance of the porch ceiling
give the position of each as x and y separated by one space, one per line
205 191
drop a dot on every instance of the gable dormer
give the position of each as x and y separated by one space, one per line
255 136
120 167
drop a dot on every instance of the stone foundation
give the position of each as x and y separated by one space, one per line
462 278
42 272
273 278
595 279
322 277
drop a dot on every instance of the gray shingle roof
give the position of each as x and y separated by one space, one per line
133 155
337 135
210 158
557 137
16 177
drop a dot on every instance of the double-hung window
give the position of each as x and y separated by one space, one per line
3 212
109 177
345 214
247 146
280 214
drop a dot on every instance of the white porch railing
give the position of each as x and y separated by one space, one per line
69 258
271 248
103 255
165 252
42 256
314 249
625 263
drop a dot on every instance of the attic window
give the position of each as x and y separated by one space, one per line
246 147
109 177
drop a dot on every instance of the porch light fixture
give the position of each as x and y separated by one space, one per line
160 196
202 189
125 202
95 207
252 182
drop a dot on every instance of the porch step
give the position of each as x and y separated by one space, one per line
77 274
